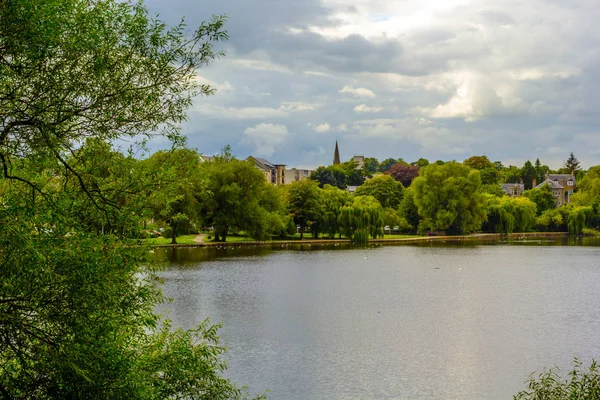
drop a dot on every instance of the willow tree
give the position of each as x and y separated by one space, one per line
448 197
76 307
332 200
507 215
362 218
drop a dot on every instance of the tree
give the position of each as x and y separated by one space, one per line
386 164
540 171
494 190
371 165
542 197
506 214
409 210
77 306
384 188
489 176
572 164
478 162
178 188
232 199
421 162
528 173
512 174
361 218
448 197
332 200
303 199
332 175
404 173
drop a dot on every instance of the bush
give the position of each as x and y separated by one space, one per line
582 384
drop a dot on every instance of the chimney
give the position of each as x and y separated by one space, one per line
521 180
547 172
533 183
572 172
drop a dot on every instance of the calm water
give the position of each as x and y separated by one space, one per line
406 322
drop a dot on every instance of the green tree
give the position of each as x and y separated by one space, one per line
303 199
409 210
478 162
76 306
421 162
362 218
386 164
232 199
512 174
448 196
507 215
495 190
542 197
333 175
178 187
384 188
528 173
371 165
489 176
332 200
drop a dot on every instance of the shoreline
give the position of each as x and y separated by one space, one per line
420 239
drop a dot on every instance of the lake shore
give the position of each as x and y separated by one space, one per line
420 239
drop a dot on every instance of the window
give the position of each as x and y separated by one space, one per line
555 193
570 182
515 192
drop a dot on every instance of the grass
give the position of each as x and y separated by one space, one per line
400 236
242 237
183 239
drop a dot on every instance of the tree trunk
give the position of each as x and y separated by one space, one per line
174 234
301 231
216 237
224 235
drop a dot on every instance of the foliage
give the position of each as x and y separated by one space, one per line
421 162
588 188
448 196
489 176
238 198
542 197
572 164
554 220
332 200
333 175
384 188
386 164
548 385
577 218
303 200
512 174
528 174
409 210
478 162
371 165
495 190
507 215
178 186
361 218
392 218
76 304
404 173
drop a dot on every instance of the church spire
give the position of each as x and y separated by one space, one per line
336 155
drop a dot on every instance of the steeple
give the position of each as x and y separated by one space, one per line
336 154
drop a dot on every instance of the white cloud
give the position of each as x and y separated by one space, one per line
325 127
220 87
358 92
297 106
363 108
265 137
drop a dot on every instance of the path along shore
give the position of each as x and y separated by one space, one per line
420 239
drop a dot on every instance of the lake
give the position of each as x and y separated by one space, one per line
392 322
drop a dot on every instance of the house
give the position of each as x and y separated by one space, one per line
513 189
562 185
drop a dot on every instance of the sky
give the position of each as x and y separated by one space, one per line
447 79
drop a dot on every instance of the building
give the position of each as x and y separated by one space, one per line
204 158
513 189
562 185
295 175
274 173
359 160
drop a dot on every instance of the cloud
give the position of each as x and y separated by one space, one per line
363 108
265 137
323 128
358 92
220 112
